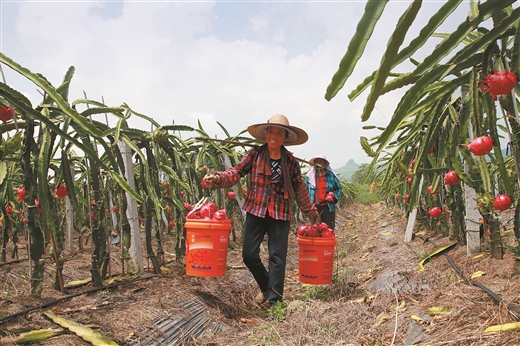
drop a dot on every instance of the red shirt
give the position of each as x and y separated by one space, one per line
263 195
321 189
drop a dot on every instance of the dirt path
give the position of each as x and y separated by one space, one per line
376 291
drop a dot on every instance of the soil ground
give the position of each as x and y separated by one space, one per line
377 296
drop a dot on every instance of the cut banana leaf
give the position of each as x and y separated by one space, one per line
417 319
438 251
439 310
387 234
83 332
382 318
112 280
502 327
166 271
38 335
78 283
477 274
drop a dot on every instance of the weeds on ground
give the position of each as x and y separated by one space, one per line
278 311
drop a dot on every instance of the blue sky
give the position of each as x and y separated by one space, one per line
234 62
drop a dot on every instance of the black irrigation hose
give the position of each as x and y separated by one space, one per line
14 261
492 294
44 305
22 260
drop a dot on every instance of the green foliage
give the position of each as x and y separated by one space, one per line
278 311
364 196
364 174
443 109
141 172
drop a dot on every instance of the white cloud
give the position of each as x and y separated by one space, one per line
259 22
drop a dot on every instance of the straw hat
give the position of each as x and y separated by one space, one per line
319 156
296 135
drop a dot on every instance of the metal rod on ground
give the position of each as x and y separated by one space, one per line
247 145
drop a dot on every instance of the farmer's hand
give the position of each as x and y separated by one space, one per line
210 180
314 217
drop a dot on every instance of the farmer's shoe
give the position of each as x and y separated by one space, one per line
261 297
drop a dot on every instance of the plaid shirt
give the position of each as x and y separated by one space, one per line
264 196
332 184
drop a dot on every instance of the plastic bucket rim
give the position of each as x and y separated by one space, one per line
317 240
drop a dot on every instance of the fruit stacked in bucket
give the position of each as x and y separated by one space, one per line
316 230
206 210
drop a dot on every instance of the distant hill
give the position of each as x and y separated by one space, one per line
346 171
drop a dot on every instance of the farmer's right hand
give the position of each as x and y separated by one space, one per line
210 180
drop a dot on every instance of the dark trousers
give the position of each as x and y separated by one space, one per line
326 216
277 232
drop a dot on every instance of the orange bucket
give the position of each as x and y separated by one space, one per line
315 259
206 247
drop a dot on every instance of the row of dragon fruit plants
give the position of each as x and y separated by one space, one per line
65 175
456 118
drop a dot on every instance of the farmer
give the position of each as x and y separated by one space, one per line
275 179
324 189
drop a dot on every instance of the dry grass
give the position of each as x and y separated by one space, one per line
375 291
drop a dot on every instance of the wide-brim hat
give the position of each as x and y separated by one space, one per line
319 156
296 135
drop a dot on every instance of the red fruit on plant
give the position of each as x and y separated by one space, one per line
480 146
61 191
186 205
447 213
171 224
203 184
107 211
435 212
25 220
171 217
451 178
406 197
429 190
432 150
6 113
115 209
182 193
499 83
230 195
19 212
139 218
410 169
21 194
413 162
9 209
502 202
409 180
